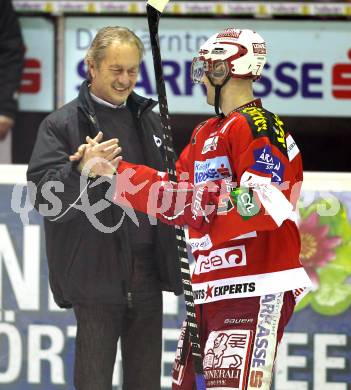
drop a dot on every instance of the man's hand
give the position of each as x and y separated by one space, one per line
98 159
80 151
6 124
188 205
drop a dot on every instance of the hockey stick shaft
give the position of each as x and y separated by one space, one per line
154 10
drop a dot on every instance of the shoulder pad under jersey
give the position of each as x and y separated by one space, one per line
266 124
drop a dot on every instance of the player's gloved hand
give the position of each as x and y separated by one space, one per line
185 204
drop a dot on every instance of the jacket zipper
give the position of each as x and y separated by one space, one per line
130 300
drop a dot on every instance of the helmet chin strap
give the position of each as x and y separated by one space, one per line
218 89
217 97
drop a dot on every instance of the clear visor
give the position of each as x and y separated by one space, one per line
199 67
216 71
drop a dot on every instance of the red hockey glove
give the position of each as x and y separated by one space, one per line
183 204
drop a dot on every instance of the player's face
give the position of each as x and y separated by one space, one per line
218 76
115 77
210 91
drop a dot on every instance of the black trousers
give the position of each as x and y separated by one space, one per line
139 327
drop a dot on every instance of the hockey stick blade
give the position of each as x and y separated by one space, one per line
160 5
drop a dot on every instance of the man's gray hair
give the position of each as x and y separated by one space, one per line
108 35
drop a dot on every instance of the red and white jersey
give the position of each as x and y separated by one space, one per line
253 245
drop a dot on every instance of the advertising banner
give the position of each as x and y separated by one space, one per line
37 338
307 74
37 85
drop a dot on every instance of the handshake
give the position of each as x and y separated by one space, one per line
179 203
185 204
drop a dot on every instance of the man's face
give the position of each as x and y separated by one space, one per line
210 91
114 78
218 77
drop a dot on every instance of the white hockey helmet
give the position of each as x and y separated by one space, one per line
230 53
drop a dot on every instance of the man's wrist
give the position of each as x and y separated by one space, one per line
81 168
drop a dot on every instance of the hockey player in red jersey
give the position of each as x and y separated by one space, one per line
247 274
246 244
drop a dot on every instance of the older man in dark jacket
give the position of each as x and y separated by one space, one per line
109 269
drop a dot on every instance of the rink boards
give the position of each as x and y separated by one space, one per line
37 338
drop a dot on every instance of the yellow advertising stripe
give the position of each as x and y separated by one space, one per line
91 7
305 10
219 9
176 9
49 7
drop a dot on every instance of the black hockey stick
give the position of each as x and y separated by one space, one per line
154 11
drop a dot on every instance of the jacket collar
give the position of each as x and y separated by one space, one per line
106 103
136 103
